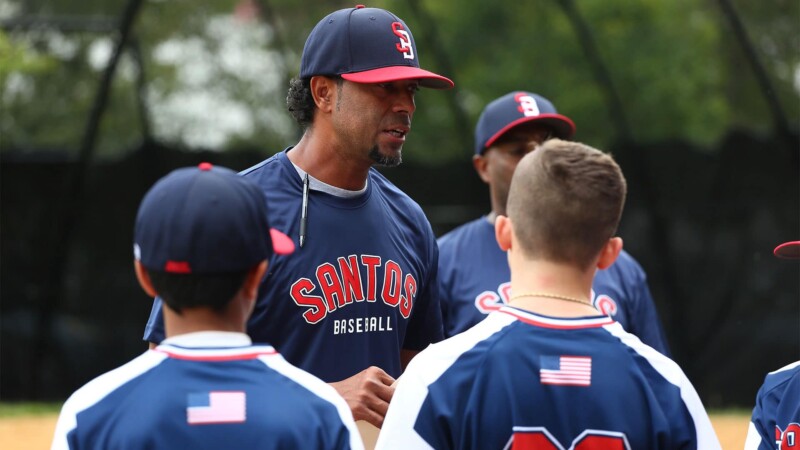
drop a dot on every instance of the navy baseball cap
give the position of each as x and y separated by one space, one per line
516 108
205 220
788 250
365 45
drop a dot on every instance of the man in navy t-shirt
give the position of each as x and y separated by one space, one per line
356 301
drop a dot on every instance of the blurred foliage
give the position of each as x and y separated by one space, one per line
214 73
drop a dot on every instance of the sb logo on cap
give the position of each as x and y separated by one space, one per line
527 105
404 46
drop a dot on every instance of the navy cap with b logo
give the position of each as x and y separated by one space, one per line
205 220
365 45
516 108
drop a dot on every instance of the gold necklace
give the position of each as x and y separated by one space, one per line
553 296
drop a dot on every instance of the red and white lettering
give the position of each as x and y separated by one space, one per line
538 438
372 263
351 279
341 284
404 46
606 305
331 286
488 301
527 105
788 437
299 292
392 283
410 290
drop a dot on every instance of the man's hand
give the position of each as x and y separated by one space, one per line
368 394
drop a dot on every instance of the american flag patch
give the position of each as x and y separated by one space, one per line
215 407
566 370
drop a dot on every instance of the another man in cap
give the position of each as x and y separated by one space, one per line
356 301
202 242
473 272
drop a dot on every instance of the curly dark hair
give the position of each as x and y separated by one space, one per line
301 102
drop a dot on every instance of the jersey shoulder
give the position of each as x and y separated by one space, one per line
627 267
462 234
429 365
778 379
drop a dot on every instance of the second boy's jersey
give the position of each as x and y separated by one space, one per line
526 381
361 287
775 423
206 390
475 278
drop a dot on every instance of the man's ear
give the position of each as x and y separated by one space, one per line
609 253
502 232
322 89
144 279
481 166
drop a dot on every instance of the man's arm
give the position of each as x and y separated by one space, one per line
368 394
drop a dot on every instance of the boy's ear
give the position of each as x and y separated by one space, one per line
144 279
609 253
502 232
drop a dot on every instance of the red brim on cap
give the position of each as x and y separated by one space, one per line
398 73
788 250
281 243
564 127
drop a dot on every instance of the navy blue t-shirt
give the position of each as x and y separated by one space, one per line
359 290
475 278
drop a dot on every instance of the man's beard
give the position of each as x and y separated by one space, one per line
384 160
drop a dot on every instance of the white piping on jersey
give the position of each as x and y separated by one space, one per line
320 389
706 437
556 322
788 367
97 389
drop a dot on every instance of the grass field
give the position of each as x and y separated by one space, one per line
30 426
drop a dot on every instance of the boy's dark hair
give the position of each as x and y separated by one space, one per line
197 290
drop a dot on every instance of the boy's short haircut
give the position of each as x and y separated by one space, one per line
565 202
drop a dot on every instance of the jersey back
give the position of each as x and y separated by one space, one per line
524 381
173 397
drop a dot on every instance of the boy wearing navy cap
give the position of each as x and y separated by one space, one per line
357 300
202 242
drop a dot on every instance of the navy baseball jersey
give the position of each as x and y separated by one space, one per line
776 417
525 381
357 292
206 390
474 279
